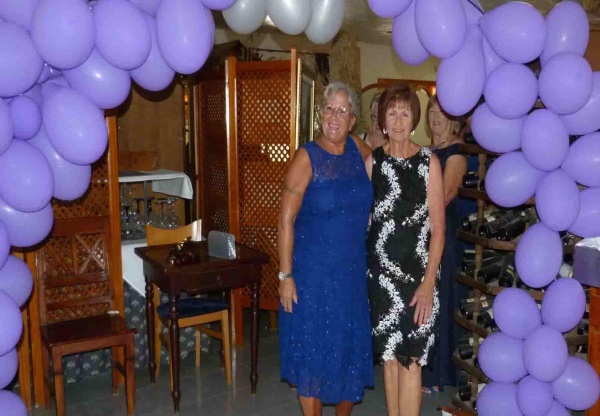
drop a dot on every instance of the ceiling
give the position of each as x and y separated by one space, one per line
370 28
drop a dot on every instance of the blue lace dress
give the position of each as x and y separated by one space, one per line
325 342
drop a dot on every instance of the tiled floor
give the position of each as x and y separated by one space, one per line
204 392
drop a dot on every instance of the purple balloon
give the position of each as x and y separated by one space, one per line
492 60
18 11
226 4
26 115
568 30
441 26
63 32
35 93
107 86
27 183
511 90
21 64
585 121
461 78
534 397
557 200
564 304
494 133
406 43
511 180
12 327
545 354
16 280
184 45
387 9
122 35
544 140
516 31
26 229
501 358
12 404
46 74
70 181
9 363
7 126
558 410
472 12
583 160
516 313
578 386
154 74
538 256
75 126
565 83
148 6
587 224
498 399
4 244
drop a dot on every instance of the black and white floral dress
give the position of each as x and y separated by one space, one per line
397 255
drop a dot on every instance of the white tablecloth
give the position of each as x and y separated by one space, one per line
164 181
133 268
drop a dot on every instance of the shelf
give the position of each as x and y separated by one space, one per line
575 340
478 194
474 149
490 290
464 406
467 324
469 368
490 243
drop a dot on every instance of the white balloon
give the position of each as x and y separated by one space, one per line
290 16
326 21
246 16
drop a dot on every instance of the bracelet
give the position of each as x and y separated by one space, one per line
284 275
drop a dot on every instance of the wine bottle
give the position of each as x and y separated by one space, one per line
486 319
501 219
467 301
465 351
508 274
514 228
469 309
476 362
469 257
470 268
470 223
491 271
583 327
465 393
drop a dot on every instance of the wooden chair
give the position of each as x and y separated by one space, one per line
193 311
76 304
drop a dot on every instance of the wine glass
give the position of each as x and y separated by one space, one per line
171 219
137 219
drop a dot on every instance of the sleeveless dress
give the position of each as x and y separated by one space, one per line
397 255
442 371
325 343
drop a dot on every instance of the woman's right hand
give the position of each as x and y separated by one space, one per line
287 294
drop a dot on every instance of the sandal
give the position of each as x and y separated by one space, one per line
429 390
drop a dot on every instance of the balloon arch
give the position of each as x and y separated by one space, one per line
62 62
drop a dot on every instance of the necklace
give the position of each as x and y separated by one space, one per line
437 146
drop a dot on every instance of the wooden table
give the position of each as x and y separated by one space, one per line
208 274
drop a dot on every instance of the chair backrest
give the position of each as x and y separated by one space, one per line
73 270
156 236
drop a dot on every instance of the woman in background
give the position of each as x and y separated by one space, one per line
404 249
445 144
374 137
325 333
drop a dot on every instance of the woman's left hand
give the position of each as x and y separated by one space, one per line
423 300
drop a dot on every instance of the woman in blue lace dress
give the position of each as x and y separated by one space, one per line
325 331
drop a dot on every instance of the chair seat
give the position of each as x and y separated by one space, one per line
83 329
189 307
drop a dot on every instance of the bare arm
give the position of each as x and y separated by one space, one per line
369 165
423 298
294 186
456 168
364 149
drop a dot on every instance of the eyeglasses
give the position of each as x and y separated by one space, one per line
374 118
341 112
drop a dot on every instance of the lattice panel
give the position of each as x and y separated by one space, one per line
65 257
263 105
214 156
95 201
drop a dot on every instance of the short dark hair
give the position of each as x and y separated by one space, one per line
399 93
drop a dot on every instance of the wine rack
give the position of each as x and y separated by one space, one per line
480 288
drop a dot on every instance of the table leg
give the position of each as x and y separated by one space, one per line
254 337
174 347
150 330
